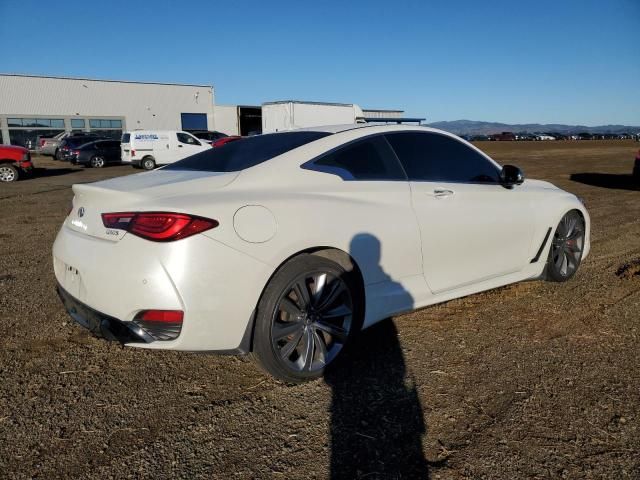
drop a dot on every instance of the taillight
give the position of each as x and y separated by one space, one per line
42 140
133 153
158 226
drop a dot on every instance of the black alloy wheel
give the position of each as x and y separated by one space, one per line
308 314
566 249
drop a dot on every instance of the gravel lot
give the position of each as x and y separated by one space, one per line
534 380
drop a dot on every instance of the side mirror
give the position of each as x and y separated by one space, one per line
511 175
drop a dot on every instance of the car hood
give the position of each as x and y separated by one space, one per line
14 148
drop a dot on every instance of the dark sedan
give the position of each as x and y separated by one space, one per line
97 154
70 144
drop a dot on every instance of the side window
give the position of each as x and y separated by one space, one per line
188 139
435 157
368 159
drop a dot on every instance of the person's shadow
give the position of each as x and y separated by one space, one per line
377 421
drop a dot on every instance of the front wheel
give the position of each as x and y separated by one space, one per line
308 313
8 173
148 163
566 249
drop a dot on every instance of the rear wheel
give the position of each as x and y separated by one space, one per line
58 154
148 163
566 249
308 313
8 173
97 161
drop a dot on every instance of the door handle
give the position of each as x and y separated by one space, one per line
442 192
180 146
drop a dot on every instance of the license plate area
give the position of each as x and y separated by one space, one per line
73 281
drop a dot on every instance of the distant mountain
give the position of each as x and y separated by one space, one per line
472 127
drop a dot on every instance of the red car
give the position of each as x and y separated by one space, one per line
224 140
15 162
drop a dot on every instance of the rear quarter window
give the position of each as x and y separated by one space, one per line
126 137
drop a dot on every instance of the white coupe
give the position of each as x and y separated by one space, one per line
287 244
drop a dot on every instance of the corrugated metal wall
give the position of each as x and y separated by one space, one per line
143 105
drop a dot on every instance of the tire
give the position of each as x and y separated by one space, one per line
97 161
567 244
298 335
8 173
57 155
148 163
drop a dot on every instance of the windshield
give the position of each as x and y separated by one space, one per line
245 153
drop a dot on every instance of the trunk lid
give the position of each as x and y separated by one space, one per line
135 193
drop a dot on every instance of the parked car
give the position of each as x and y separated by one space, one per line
503 137
636 166
225 140
287 244
68 144
544 137
480 138
49 145
208 136
149 148
525 137
15 163
96 154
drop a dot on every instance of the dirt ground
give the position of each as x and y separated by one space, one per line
535 380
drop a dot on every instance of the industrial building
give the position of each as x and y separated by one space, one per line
33 106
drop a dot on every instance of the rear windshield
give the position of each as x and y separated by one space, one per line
126 137
245 153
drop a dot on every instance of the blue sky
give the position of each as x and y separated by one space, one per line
565 61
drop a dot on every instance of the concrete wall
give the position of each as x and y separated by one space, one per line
225 119
143 105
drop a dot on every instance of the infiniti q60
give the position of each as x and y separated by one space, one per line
285 245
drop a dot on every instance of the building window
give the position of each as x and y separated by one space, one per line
28 137
77 123
102 123
194 121
36 122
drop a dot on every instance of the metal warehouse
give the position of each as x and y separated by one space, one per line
34 105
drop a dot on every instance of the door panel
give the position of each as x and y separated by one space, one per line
471 232
472 227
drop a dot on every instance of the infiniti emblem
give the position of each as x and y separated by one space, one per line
81 212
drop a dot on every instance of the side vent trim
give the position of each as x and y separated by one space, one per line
544 243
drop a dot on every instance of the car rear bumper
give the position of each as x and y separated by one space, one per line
215 286
101 324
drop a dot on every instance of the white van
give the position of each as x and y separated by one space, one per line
150 148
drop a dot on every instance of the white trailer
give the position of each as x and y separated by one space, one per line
290 114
